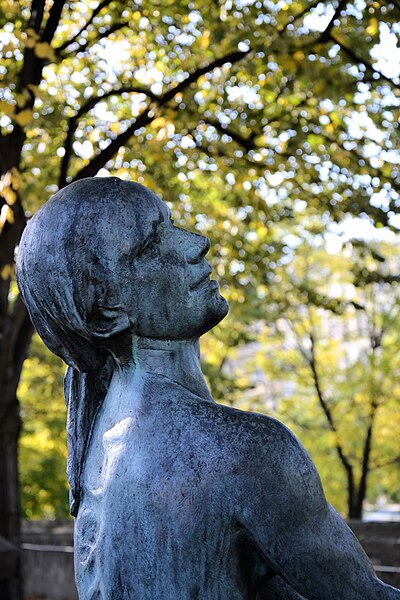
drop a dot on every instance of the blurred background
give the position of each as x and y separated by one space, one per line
271 127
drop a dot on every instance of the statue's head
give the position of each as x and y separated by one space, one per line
101 262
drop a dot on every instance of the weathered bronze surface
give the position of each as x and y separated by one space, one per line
175 496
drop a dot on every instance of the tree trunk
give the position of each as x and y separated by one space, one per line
355 503
354 508
15 335
15 348
9 494
9 487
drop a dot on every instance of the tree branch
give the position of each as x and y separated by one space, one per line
101 36
387 463
32 67
326 409
16 321
86 107
365 467
357 59
53 20
300 15
36 17
148 115
21 347
374 403
324 37
94 14
98 161
357 153
246 143
232 57
249 143
15 345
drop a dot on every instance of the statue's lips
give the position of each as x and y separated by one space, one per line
204 281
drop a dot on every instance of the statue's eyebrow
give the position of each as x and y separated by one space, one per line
151 236
155 225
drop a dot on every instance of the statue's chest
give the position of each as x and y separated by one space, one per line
157 452
131 468
155 520
149 509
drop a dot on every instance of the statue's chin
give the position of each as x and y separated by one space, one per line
218 312
224 308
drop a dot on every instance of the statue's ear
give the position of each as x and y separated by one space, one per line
106 321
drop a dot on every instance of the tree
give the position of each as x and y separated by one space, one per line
335 337
248 89
43 446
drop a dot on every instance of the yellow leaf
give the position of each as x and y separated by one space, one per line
6 214
30 32
204 40
43 50
24 117
37 92
7 272
299 55
34 88
10 197
16 180
159 122
7 48
372 27
6 108
30 37
287 64
32 133
11 8
319 87
22 98
330 128
30 43
115 127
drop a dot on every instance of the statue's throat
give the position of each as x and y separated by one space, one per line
175 360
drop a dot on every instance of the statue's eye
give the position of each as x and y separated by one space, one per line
150 244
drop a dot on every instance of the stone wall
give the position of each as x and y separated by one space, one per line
381 541
48 560
48 572
48 556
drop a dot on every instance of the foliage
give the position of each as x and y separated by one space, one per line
246 116
249 88
43 450
335 339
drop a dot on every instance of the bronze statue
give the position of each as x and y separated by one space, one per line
174 496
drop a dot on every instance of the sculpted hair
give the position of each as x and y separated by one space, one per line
73 257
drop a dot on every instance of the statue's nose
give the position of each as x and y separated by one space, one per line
199 245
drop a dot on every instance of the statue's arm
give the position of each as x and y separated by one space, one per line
302 537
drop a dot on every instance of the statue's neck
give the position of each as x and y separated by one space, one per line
177 360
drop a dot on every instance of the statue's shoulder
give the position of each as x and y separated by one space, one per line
257 429
268 447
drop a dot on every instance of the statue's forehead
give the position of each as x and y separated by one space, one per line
117 213
148 205
139 218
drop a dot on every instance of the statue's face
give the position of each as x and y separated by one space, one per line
174 296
